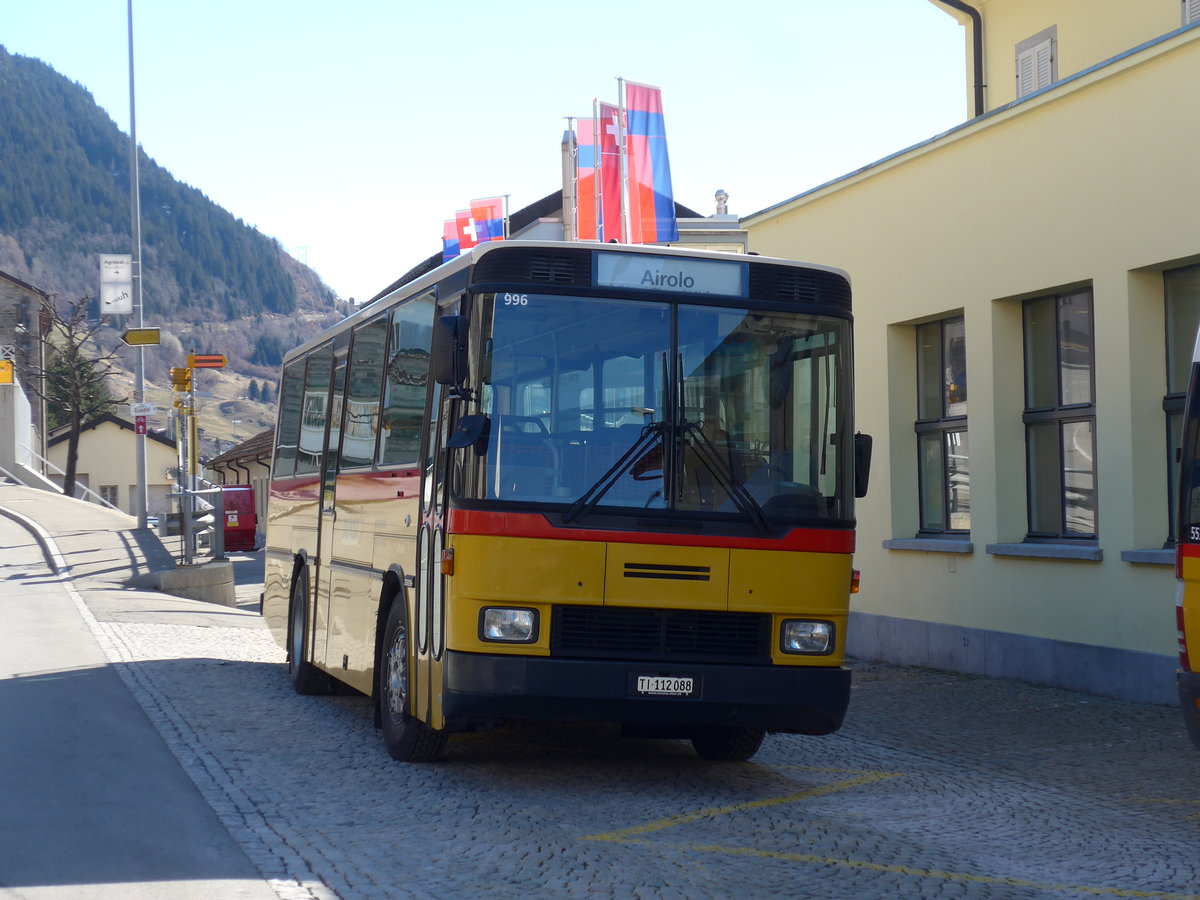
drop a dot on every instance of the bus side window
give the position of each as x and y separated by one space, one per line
291 397
314 410
364 383
403 408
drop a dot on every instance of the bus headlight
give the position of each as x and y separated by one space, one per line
513 626
806 636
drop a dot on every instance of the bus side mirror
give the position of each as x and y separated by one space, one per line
862 463
449 361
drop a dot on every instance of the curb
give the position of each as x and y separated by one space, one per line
54 559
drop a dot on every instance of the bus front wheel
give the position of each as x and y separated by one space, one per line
407 739
305 677
728 744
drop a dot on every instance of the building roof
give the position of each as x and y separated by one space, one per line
12 279
256 448
62 432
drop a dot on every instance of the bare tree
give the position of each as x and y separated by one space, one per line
75 375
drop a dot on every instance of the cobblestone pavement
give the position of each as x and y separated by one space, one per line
939 785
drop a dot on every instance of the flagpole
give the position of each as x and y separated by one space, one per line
623 151
570 178
598 171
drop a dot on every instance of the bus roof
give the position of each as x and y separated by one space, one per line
427 280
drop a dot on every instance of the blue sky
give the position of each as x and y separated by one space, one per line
349 131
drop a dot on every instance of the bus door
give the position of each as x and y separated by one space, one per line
353 504
327 517
430 593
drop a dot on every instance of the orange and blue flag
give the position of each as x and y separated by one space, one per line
450 246
651 199
488 216
598 182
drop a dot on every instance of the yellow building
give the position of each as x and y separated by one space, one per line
106 463
1027 291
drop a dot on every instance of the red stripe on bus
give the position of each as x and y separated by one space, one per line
1192 550
535 525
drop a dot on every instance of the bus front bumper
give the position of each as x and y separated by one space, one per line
1189 701
791 699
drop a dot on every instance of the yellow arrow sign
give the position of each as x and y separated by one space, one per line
140 337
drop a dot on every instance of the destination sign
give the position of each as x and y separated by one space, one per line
666 273
137 337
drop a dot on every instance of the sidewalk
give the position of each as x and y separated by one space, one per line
93 803
94 542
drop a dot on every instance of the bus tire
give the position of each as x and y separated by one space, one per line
724 744
407 739
305 677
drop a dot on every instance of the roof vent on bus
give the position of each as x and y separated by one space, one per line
791 285
535 266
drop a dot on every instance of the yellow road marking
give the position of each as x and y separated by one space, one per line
684 818
923 873
630 836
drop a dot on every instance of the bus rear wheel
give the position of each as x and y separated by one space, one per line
407 739
728 744
305 677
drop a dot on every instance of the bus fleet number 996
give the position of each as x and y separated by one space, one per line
516 299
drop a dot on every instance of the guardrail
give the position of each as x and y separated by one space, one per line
195 510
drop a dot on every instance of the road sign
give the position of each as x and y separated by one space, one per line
116 284
6 371
142 409
140 337
206 361
139 424
181 379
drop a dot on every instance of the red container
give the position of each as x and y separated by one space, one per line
241 521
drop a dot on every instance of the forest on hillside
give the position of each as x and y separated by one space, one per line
65 199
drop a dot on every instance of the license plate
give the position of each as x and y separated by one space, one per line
665 686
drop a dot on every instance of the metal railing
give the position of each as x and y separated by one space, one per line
195 509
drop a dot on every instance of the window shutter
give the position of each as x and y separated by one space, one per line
1191 11
1035 65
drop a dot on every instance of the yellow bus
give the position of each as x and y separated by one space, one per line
1187 554
575 482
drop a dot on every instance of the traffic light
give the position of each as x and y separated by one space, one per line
181 379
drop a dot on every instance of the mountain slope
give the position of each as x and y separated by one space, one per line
211 282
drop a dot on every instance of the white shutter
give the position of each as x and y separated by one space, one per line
1035 65
1191 11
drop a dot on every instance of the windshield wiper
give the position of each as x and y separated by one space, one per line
708 454
588 500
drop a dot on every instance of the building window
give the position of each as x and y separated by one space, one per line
943 463
1037 61
1182 290
108 493
1060 416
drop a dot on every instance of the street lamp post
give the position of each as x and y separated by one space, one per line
139 378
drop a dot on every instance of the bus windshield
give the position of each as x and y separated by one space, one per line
612 405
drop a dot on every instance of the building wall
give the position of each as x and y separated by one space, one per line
1088 184
20 323
1089 31
107 457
